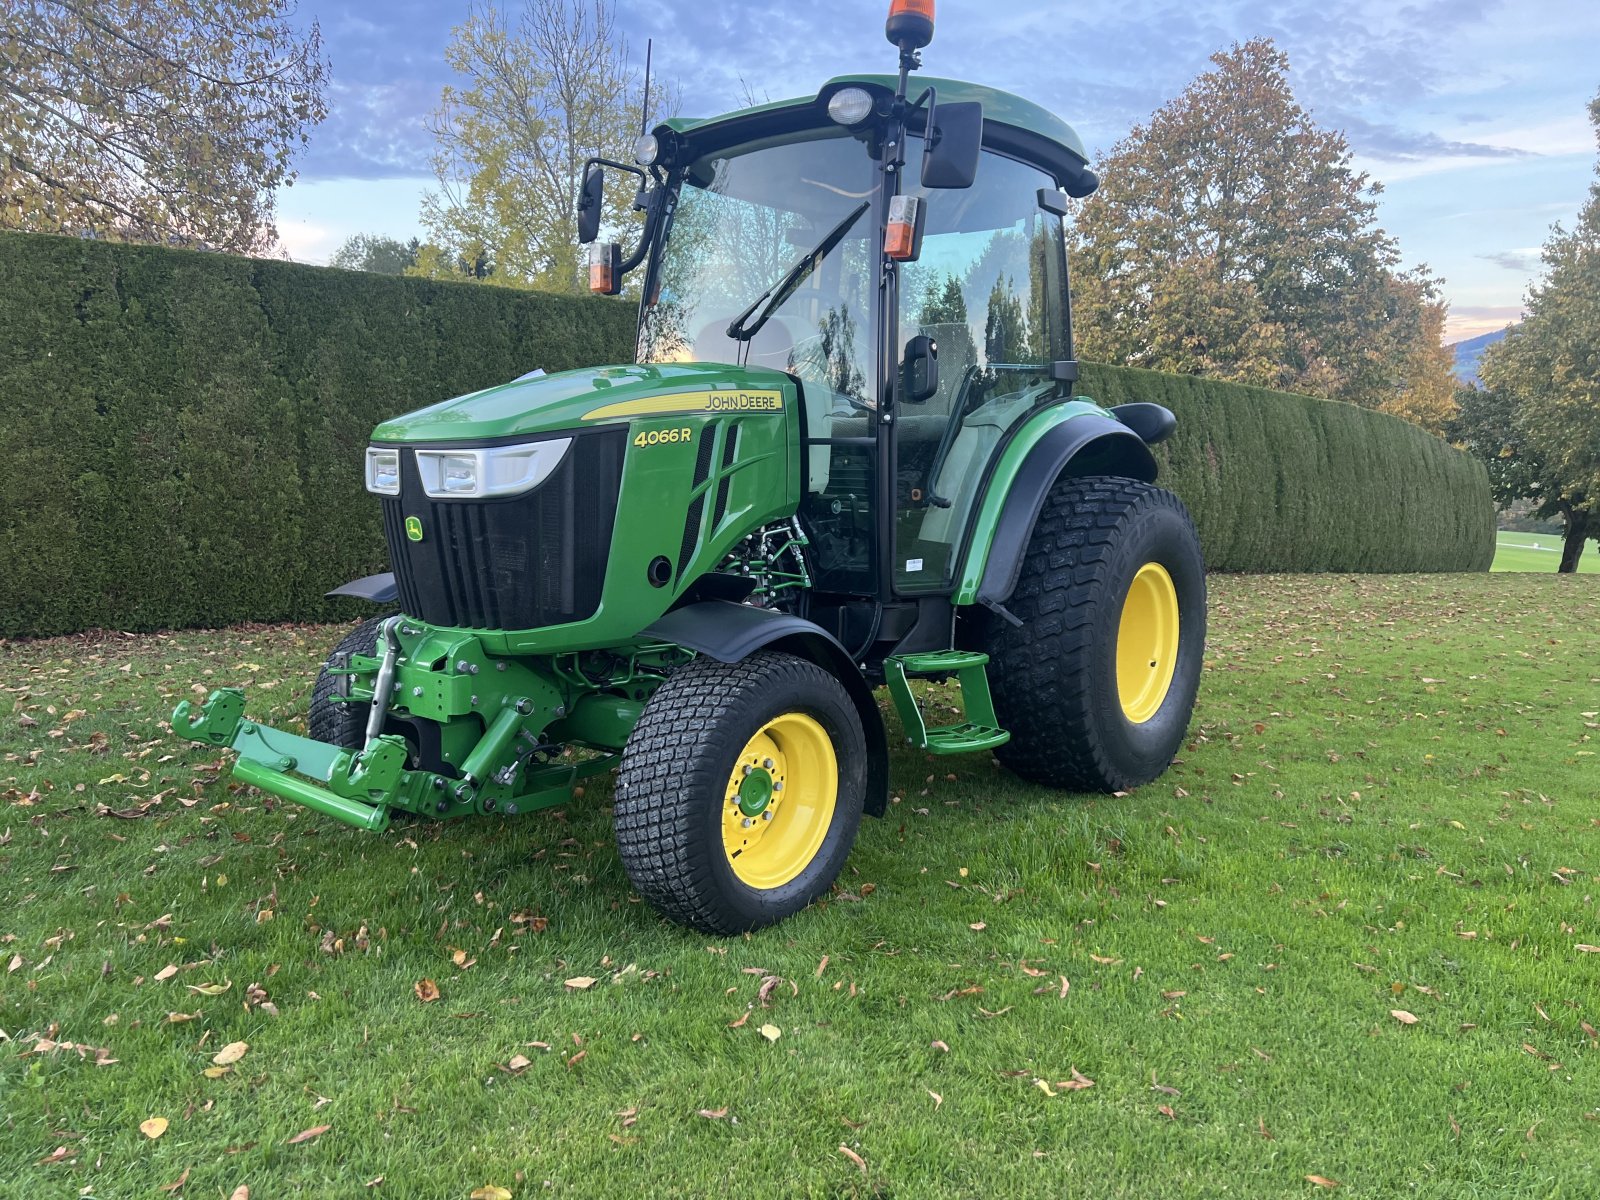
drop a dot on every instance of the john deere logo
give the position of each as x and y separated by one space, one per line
414 528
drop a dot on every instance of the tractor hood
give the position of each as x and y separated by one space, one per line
588 397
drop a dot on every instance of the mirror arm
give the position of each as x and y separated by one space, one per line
651 207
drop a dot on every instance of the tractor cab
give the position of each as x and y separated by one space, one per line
901 257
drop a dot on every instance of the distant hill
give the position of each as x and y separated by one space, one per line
1470 351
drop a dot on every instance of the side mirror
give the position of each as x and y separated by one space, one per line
590 201
955 140
919 374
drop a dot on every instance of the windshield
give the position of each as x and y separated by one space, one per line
745 219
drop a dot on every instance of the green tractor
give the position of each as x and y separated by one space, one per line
847 456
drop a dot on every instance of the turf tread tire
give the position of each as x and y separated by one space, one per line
1053 678
674 773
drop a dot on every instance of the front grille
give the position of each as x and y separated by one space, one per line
524 562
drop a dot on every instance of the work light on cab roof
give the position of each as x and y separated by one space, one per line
846 454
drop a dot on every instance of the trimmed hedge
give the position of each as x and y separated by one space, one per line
1280 482
181 433
181 437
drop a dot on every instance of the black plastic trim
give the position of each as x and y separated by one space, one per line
1151 422
379 589
731 633
1043 466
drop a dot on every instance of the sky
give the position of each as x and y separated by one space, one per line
1470 113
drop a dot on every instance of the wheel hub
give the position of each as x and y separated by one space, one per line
779 801
755 793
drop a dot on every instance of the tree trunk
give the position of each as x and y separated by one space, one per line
1579 526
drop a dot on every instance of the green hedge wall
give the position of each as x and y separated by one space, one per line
1280 482
181 433
181 437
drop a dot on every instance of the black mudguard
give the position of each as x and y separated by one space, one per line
1086 445
730 633
380 589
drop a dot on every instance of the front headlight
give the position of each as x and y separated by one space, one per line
383 470
489 472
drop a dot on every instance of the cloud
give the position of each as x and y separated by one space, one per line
1390 143
1525 261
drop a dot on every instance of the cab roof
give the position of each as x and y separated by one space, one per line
1012 124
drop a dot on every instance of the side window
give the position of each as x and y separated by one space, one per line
990 288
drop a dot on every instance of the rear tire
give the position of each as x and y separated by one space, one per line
339 724
1098 685
741 791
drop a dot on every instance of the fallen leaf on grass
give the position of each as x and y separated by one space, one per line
1166 1111
1582 949
937 1099
178 1018
490 1192
739 1024
519 1062
977 927
1401 1015
1045 1087
177 1184
771 1032
1078 1082
426 989
209 989
854 1157
230 1054
940 1046
713 1114
166 973
581 983
1322 1181
153 1128
59 1154
240 1193
1105 962
305 1135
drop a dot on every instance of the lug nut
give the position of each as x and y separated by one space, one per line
768 763
416 691
777 786
747 822
767 816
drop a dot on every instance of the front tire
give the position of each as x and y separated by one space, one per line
741 791
1098 684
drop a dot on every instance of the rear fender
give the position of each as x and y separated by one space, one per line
731 633
1077 438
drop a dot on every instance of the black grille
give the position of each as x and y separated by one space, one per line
520 563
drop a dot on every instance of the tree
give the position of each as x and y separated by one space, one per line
153 120
540 97
1232 238
376 253
1546 373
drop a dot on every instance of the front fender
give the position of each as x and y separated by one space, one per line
1077 438
731 633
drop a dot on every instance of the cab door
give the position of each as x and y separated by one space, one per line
990 286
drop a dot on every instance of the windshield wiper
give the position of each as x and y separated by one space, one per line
773 298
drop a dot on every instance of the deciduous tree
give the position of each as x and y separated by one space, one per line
376 253
1231 237
153 120
541 92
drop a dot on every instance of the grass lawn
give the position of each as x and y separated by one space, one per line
1349 936
1539 552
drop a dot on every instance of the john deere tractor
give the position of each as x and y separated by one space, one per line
848 455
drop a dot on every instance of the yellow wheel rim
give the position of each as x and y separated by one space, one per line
1147 643
779 801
